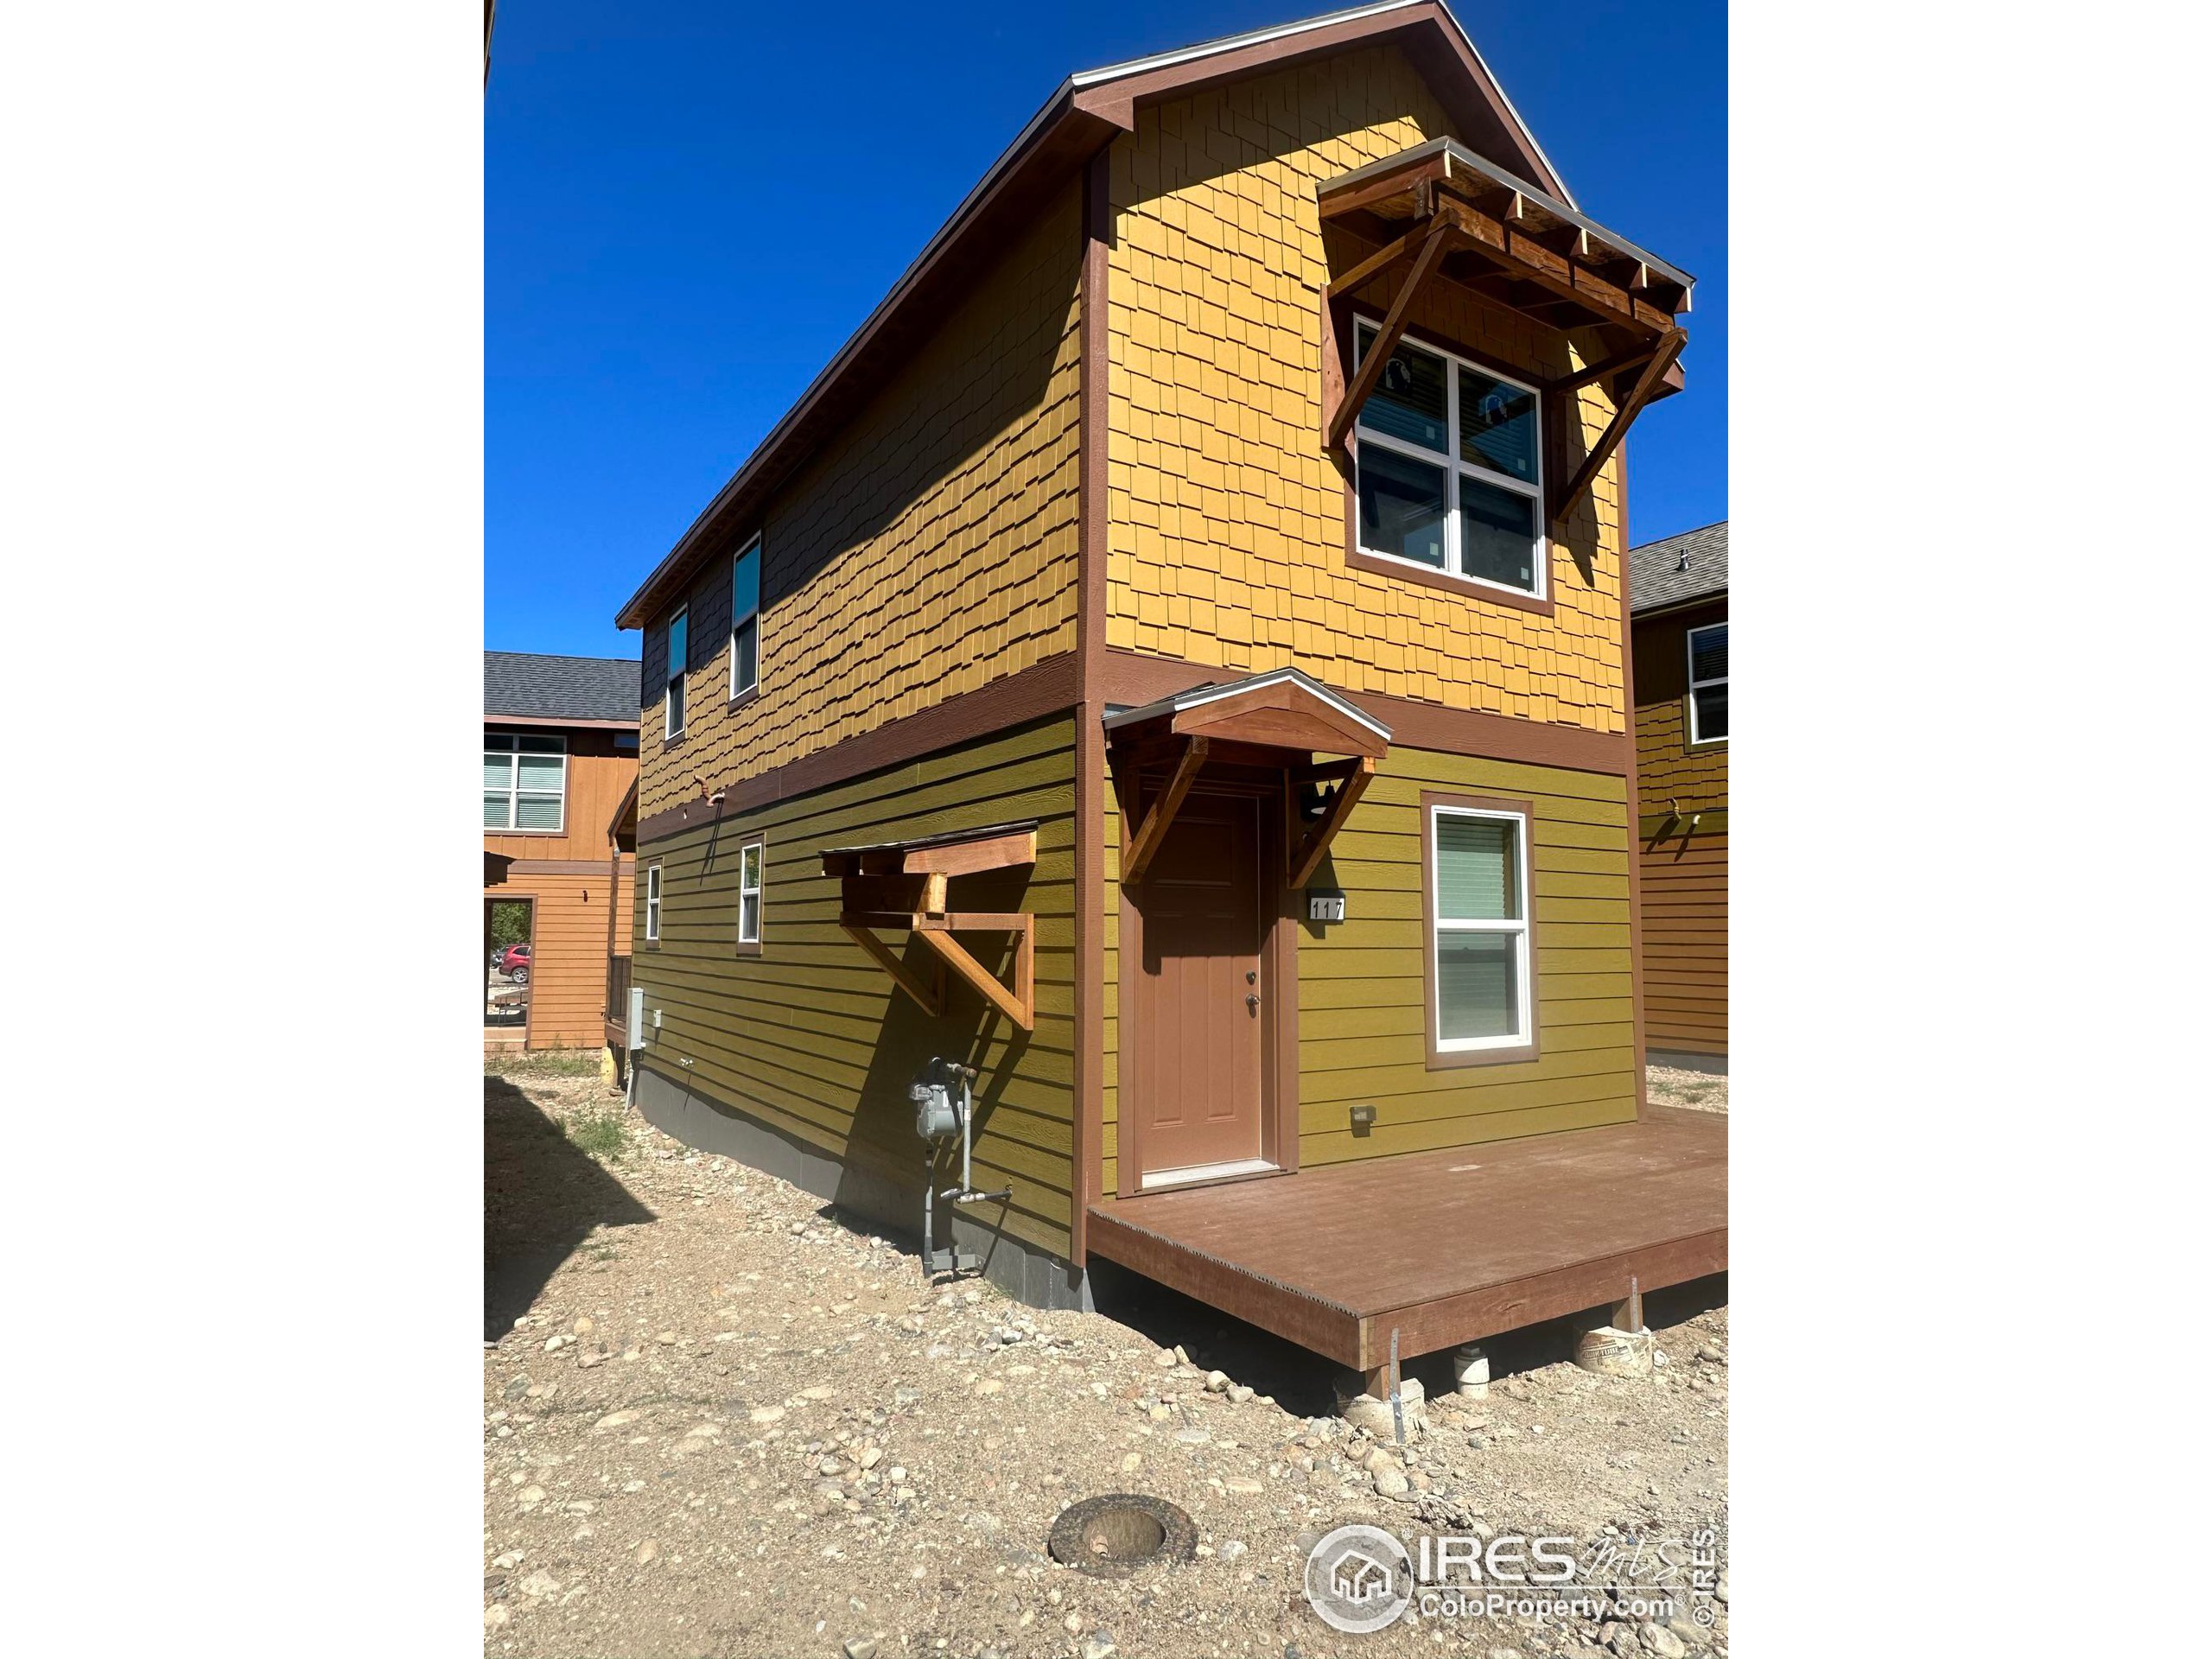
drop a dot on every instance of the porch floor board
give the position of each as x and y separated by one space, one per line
1445 1247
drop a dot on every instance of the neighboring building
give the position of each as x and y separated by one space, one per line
1680 590
1109 612
559 793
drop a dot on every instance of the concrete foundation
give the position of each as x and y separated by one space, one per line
1470 1371
883 1204
1682 1060
1610 1351
1373 1413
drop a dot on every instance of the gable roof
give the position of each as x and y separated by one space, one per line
1657 580
554 689
1081 117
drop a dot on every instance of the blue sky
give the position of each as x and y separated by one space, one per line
689 207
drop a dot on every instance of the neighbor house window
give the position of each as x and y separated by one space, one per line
751 862
525 781
679 657
1709 683
744 621
1478 890
652 901
1450 469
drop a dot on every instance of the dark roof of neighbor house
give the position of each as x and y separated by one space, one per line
561 688
1081 117
1678 569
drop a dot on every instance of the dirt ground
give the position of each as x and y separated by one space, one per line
1701 1091
720 1422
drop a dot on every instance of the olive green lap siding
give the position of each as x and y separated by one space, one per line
810 1037
1362 1000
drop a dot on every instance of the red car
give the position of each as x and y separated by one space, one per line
514 962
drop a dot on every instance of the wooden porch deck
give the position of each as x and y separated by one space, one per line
1443 1247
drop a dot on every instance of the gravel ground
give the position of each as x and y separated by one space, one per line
1701 1091
719 1422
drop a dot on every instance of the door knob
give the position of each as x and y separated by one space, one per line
1252 1000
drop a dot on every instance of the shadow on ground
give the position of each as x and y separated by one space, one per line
1303 1382
543 1198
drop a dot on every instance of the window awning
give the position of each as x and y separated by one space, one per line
905 885
1440 211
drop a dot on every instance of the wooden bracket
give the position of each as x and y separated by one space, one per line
929 993
1019 1005
1137 850
1669 348
1357 774
1433 249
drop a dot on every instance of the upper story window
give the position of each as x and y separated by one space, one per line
744 621
1708 648
1478 928
525 781
1450 469
679 657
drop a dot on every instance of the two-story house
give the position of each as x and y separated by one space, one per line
1679 594
1173 660
560 787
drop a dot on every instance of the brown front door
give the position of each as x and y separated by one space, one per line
1199 996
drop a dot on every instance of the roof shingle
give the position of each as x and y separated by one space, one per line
560 687
1680 568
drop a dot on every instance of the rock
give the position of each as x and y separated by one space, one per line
1164 1358
1364 1411
1711 1356
859 1647
1182 1358
1131 1464
1098 1645
1192 1436
989 1385
871 1456
819 1391
1391 1481
583 1326
540 1583
897 1475
1239 1394
1661 1641
1217 1382
647 1552
496 1615
667 1338
1234 1550
906 1396
616 1419
529 1498
1243 1486
766 1414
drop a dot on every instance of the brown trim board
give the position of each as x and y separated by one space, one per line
1045 689
1087 1126
1133 678
1635 849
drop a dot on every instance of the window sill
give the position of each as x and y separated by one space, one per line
1445 1060
746 950
751 694
676 742
1465 587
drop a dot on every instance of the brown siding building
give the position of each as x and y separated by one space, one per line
560 779
1172 662
1679 591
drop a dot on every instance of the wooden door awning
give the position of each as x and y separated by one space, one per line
906 885
1438 211
1278 721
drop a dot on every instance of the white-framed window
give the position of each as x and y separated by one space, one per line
752 868
744 621
1709 648
679 657
652 901
525 782
1450 469
1478 886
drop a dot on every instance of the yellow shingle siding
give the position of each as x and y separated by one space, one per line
1226 518
928 548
